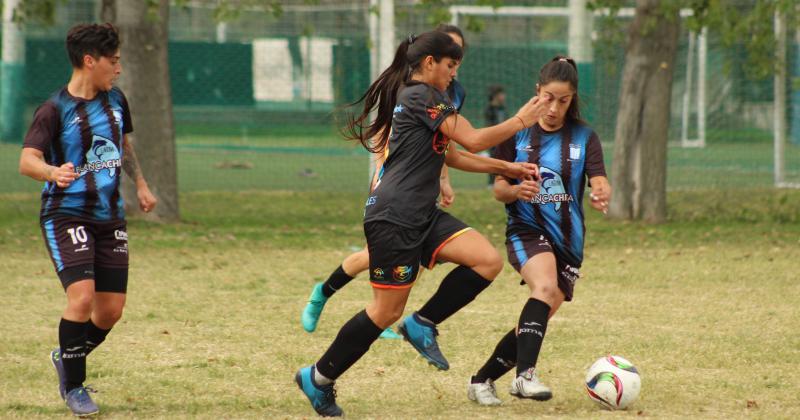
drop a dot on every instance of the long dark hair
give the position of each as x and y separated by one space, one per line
383 92
453 29
563 69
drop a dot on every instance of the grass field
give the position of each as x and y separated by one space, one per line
314 158
705 306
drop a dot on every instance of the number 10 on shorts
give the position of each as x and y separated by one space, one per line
78 235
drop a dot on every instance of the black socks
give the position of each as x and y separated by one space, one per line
458 288
336 281
352 342
532 326
94 336
501 361
72 339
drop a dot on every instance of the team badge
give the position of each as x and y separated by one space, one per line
377 274
402 273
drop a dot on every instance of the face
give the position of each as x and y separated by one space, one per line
559 96
103 71
460 41
439 75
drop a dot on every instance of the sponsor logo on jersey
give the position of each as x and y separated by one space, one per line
402 273
102 155
437 110
398 109
552 189
372 199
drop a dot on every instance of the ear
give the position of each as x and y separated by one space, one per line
88 61
429 61
537 88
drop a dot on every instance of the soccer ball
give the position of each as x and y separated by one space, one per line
613 382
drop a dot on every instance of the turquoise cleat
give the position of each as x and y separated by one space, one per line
312 311
422 335
322 397
389 334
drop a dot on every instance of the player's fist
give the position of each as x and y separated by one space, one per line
600 195
521 170
64 175
527 189
147 201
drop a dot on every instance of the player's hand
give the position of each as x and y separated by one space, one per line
147 201
600 195
533 110
527 189
447 194
64 175
521 170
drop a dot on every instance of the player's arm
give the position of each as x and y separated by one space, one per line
601 193
445 189
507 193
475 140
474 163
130 163
32 164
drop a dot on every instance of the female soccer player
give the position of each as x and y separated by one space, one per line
78 143
358 262
544 236
403 226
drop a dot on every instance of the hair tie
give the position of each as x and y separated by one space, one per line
411 39
563 59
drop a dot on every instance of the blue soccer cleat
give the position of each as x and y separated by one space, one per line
312 311
80 403
422 335
55 359
322 397
389 334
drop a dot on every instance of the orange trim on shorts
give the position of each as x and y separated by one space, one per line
446 241
390 286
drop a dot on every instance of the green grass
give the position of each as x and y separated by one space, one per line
704 305
315 158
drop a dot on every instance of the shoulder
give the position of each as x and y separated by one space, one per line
582 131
116 95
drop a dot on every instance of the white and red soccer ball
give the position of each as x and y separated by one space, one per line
613 382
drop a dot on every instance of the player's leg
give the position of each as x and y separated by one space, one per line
541 275
111 281
481 388
70 243
352 265
393 269
478 264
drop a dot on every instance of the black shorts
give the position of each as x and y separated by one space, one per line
396 252
84 249
523 245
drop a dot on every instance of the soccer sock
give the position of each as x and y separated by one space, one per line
532 326
94 336
72 339
501 361
458 288
336 281
350 344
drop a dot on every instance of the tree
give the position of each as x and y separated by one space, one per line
144 29
639 167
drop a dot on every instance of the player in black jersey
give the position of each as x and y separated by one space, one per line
545 232
403 226
78 144
358 262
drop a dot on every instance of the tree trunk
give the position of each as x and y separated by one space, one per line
639 168
12 76
145 81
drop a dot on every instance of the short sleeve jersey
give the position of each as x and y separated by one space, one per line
566 159
457 94
406 191
87 133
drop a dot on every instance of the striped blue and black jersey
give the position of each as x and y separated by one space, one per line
89 134
457 94
566 159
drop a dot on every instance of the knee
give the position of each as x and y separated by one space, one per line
385 317
547 293
108 316
490 264
81 303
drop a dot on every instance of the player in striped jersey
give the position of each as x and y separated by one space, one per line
545 232
78 144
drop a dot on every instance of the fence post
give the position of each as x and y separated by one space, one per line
12 76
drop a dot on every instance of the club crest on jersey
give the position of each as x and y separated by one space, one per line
552 189
102 155
402 273
574 152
